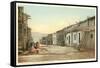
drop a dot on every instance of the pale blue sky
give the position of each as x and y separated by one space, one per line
49 19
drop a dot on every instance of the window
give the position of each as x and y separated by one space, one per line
79 37
74 36
69 39
88 22
91 36
94 22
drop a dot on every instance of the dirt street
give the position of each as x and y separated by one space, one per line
52 53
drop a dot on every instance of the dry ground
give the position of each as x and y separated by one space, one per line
51 53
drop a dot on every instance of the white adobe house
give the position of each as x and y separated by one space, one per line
81 34
54 39
72 37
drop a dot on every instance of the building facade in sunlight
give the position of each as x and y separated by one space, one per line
82 34
54 39
79 35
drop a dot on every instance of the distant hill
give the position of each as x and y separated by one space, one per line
37 36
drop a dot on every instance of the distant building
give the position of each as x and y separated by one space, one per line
49 39
60 37
54 39
43 40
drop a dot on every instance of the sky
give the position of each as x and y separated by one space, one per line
49 19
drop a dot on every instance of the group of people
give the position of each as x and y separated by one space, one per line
35 47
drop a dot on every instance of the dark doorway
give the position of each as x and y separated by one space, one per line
79 37
69 39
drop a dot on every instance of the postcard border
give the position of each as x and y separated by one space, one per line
13 33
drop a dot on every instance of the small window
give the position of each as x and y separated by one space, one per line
91 36
79 37
94 22
67 38
74 36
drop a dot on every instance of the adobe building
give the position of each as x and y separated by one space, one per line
60 37
82 35
54 39
24 32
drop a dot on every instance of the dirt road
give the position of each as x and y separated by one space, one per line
51 53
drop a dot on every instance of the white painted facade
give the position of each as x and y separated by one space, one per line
67 39
82 35
54 38
73 38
